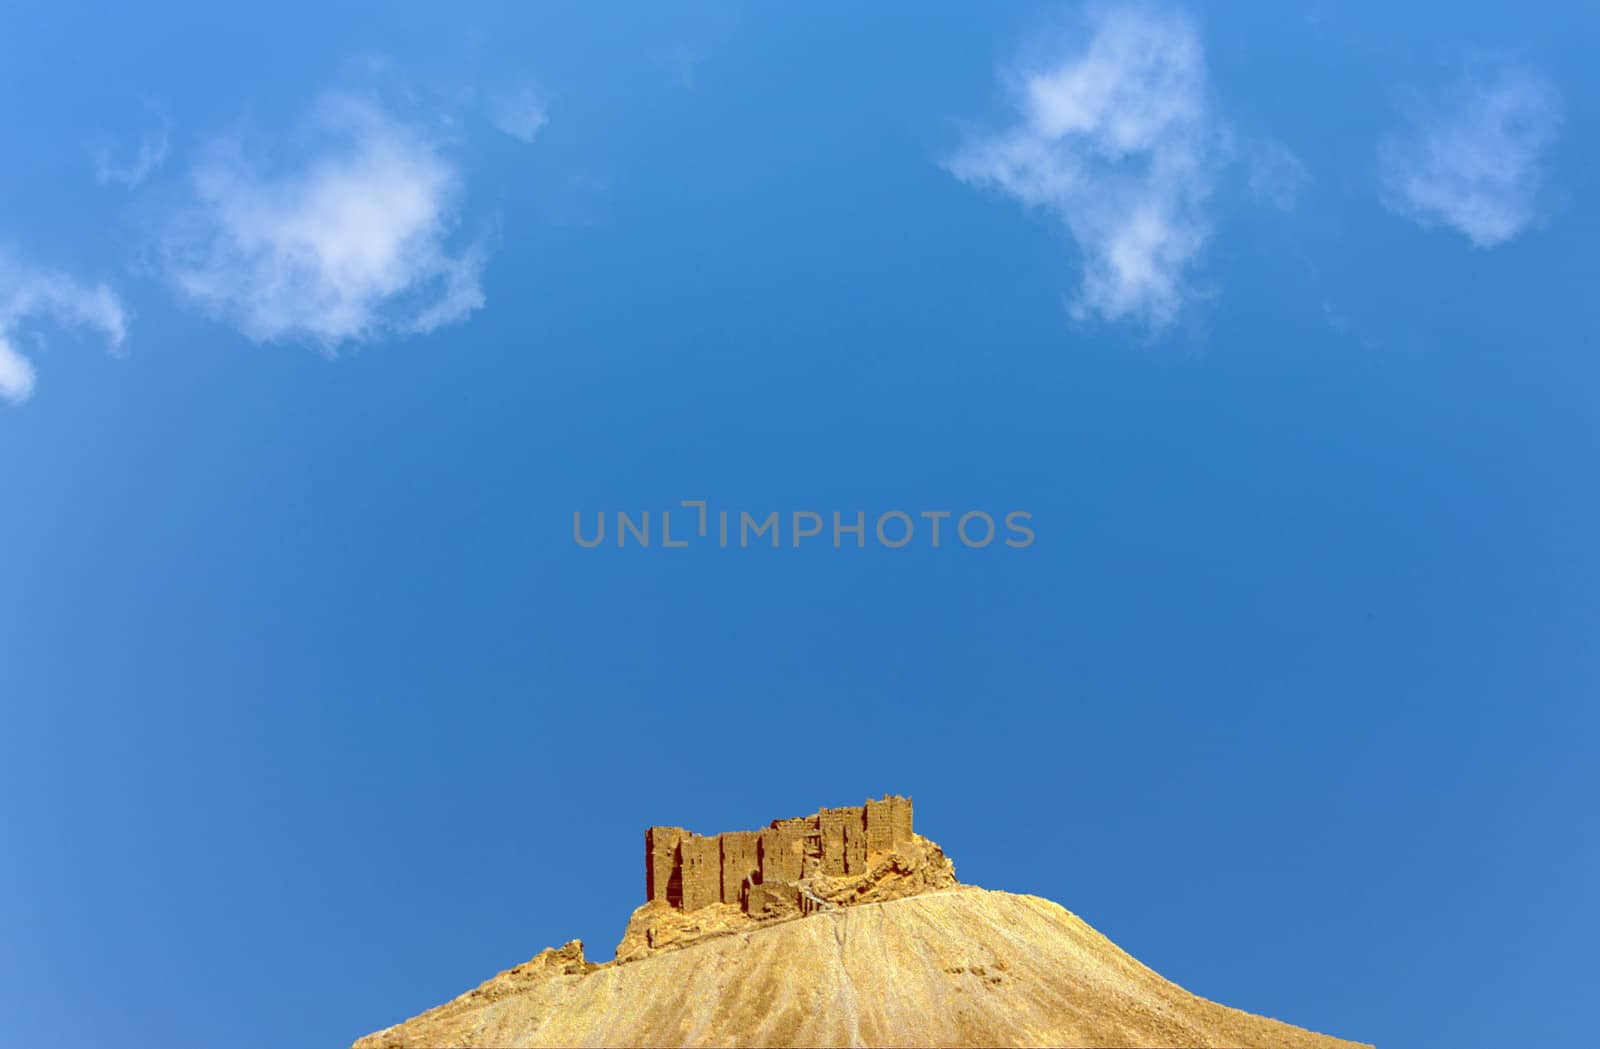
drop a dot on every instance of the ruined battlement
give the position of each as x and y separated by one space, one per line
697 886
689 871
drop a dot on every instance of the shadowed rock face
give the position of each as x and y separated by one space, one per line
878 946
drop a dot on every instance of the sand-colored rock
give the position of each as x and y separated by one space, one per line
700 886
960 967
688 871
842 928
911 867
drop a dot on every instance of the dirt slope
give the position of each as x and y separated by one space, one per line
960 967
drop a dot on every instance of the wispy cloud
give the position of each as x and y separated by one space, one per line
520 113
350 241
1476 162
1119 143
133 168
1277 176
29 295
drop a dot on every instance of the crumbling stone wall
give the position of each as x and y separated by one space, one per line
700 860
783 850
741 859
688 871
660 860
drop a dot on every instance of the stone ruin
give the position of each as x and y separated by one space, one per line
689 871
698 886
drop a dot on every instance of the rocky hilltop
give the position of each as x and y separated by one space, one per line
840 928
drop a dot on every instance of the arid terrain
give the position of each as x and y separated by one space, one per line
920 960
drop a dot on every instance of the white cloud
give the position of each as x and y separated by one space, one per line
1118 142
150 154
16 373
1475 164
350 243
29 295
520 113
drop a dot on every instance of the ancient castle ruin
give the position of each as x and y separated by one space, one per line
760 870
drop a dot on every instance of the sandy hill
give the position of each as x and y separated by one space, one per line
885 950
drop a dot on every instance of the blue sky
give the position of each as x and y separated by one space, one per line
318 323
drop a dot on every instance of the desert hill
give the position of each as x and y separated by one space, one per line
864 947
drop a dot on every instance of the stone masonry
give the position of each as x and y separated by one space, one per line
687 871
